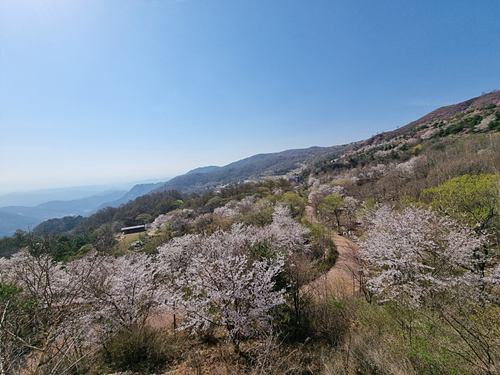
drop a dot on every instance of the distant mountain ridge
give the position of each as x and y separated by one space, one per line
34 198
38 209
251 168
135 192
21 217
204 169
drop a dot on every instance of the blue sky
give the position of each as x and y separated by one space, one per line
105 91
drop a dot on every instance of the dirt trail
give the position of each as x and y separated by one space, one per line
343 278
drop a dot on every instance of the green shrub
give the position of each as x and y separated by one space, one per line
260 218
152 242
430 359
330 320
494 125
293 322
139 349
328 251
322 245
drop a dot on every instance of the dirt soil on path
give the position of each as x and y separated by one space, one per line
343 278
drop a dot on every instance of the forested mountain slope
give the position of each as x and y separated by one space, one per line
447 116
252 168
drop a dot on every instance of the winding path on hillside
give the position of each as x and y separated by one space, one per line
343 278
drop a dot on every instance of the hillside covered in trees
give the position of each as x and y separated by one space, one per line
236 278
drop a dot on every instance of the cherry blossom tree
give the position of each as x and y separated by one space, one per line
424 266
234 207
313 181
351 206
473 201
285 233
58 318
126 290
228 291
225 211
414 253
223 283
177 221
73 308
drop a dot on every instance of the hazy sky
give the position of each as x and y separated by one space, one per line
97 91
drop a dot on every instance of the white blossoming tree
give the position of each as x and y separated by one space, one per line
228 291
414 253
223 283
127 290
52 321
423 267
234 207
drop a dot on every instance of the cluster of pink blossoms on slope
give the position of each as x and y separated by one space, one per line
414 253
212 280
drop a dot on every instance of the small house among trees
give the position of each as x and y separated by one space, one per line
135 229
294 179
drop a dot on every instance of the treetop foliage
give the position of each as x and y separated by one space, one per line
473 200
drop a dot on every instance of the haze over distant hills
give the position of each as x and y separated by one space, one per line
36 197
133 193
28 209
22 217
